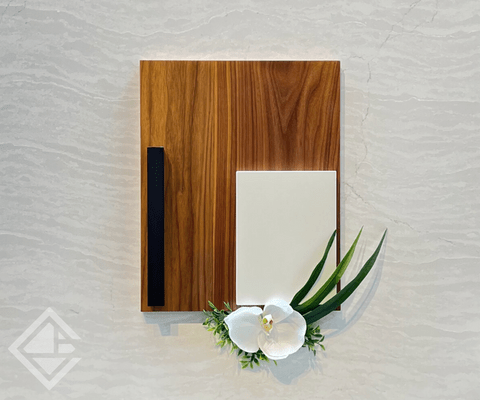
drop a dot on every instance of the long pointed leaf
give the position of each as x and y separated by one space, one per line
300 295
327 287
324 309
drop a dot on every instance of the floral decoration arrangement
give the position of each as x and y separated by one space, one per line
280 329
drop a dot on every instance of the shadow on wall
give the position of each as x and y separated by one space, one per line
168 321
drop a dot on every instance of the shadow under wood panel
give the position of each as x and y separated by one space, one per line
215 118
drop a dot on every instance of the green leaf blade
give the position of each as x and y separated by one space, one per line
324 309
331 282
300 295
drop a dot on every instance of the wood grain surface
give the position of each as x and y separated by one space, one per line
215 118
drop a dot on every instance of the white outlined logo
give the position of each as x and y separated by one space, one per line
45 350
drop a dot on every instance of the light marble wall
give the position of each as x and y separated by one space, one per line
69 194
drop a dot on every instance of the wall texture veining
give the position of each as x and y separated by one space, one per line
70 205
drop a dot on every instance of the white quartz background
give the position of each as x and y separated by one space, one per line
70 205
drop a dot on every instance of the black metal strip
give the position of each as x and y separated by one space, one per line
156 226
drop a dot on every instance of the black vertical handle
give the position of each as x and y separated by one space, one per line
156 226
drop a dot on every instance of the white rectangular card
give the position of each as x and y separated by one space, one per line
283 222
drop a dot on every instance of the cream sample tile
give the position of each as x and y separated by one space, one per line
283 222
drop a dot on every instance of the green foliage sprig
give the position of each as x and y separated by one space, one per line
313 338
215 323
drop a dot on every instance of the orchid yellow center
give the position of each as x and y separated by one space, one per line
267 323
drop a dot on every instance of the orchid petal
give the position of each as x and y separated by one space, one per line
285 338
278 309
244 328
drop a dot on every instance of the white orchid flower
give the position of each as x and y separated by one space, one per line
278 330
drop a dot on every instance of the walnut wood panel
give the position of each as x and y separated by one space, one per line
215 118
